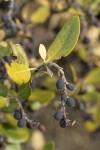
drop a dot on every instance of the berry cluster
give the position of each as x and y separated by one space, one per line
9 23
61 115
23 121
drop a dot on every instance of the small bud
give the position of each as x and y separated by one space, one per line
42 128
70 102
21 123
70 86
17 114
58 115
60 85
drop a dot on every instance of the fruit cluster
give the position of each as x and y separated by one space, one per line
25 122
9 23
21 120
61 115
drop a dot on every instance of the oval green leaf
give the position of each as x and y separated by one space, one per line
24 91
93 77
65 40
42 96
4 50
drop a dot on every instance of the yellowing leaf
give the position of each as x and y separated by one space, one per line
3 101
90 126
40 15
42 51
19 73
17 50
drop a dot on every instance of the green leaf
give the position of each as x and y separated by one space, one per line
17 50
4 50
94 95
3 91
50 83
10 119
82 52
13 147
14 134
65 40
24 91
73 72
11 107
40 15
93 77
3 101
43 96
49 146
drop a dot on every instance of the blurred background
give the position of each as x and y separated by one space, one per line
30 23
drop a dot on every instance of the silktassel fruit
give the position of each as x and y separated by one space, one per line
86 40
63 124
4 17
21 123
60 85
29 125
70 86
17 114
70 102
58 115
64 97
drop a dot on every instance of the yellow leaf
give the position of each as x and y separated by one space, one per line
18 50
91 126
42 51
19 73
40 15
3 101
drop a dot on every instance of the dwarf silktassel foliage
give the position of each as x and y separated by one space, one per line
21 74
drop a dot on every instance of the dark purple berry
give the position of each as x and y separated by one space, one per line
8 24
70 86
70 102
63 124
60 85
86 40
29 125
18 115
4 17
21 123
64 97
58 115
